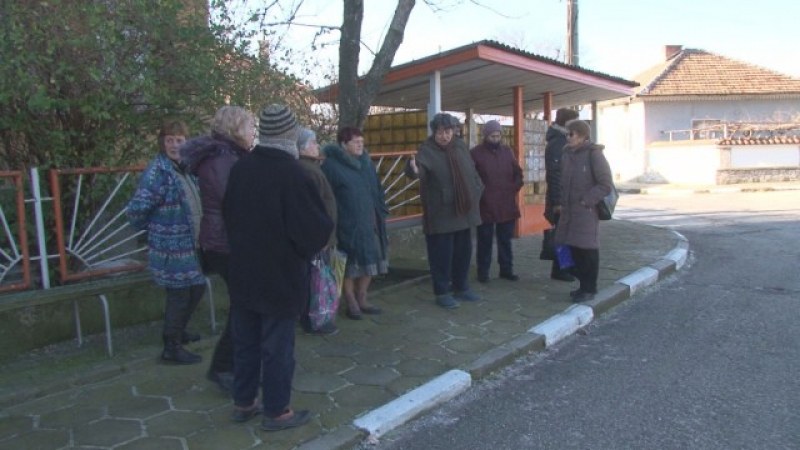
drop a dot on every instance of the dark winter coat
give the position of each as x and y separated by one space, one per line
210 158
436 188
314 171
556 138
276 222
585 180
360 203
502 179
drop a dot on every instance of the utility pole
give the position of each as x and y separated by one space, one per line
572 32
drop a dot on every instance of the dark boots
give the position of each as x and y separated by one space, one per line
176 354
179 307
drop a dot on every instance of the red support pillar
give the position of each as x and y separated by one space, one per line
547 105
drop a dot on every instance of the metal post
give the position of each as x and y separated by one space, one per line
434 97
37 208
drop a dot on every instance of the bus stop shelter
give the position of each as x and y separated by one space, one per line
491 78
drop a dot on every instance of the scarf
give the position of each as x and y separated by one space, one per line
463 201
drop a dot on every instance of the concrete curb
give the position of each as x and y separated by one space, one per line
543 335
409 405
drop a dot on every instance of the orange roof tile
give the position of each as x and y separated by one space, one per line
697 72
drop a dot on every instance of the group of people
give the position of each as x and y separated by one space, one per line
257 215
458 193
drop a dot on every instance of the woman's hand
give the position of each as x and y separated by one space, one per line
413 164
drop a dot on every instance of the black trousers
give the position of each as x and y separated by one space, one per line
179 307
587 267
449 256
222 360
264 359
486 233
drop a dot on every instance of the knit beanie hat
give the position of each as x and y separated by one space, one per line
490 127
277 128
580 127
303 137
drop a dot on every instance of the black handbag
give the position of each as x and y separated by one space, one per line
548 252
605 207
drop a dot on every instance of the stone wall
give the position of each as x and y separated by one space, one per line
758 175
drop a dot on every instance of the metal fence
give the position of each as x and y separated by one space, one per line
79 229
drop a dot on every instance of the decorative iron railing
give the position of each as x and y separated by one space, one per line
88 235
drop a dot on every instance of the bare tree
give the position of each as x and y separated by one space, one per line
356 96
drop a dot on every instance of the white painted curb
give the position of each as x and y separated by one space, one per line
643 277
679 256
564 324
439 390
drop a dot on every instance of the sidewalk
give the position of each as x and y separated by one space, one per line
372 376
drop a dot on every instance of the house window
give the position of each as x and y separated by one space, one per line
707 129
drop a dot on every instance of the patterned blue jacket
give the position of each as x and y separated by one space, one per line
160 206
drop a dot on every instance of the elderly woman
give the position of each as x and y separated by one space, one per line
210 158
310 159
450 191
167 204
361 217
585 180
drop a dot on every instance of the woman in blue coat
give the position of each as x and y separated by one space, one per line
167 205
361 217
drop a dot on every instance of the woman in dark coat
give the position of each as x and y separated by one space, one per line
502 178
210 158
361 217
450 192
585 180
556 138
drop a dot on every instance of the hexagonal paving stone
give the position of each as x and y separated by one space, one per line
422 367
339 349
474 346
379 358
152 443
70 416
201 399
326 364
107 432
177 423
376 376
38 439
404 384
318 382
139 407
431 351
232 437
14 425
362 396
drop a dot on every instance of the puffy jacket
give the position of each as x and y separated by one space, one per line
585 180
210 158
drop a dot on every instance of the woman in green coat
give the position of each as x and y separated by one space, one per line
361 217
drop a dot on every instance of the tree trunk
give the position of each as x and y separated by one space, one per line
356 97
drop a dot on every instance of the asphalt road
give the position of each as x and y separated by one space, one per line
708 359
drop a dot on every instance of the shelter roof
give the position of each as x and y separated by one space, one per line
482 75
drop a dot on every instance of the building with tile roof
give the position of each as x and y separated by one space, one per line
697 114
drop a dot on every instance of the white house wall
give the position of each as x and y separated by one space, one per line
621 129
745 156
688 162
664 116
627 128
